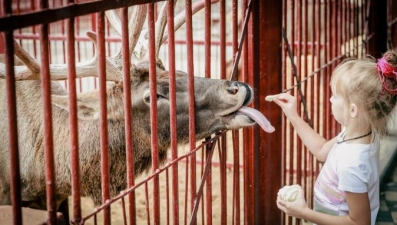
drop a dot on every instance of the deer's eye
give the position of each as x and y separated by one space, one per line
158 96
147 98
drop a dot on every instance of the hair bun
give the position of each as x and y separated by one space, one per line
387 70
391 58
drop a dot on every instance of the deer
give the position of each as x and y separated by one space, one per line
219 105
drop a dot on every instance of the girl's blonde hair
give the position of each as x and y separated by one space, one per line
359 81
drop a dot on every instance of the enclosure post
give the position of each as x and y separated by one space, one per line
265 75
377 28
1 44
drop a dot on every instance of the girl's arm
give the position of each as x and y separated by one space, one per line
359 210
316 144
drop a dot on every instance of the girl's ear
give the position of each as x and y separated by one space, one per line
353 111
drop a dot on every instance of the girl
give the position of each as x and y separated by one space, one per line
347 188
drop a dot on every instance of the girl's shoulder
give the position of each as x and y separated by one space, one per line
356 154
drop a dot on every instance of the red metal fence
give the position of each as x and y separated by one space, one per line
230 177
318 35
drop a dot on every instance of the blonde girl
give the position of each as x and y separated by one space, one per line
347 188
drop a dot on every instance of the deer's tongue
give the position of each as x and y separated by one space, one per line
258 117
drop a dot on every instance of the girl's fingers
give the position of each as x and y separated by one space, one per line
301 193
282 99
280 201
284 96
280 206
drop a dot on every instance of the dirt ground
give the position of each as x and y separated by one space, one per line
142 216
144 205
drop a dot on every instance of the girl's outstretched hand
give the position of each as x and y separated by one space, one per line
295 208
287 103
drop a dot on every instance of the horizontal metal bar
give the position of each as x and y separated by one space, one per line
45 16
59 37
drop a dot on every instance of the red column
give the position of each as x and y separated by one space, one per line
264 55
1 44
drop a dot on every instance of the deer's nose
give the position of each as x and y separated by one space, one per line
233 89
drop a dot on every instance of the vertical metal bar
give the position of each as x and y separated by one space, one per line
284 85
222 12
123 211
319 77
103 115
147 203
63 42
222 38
314 91
307 88
207 44
77 31
291 135
236 178
33 8
174 144
49 145
207 40
356 26
247 133
334 23
363 27
291 132
127 114
74 141
208 188
153 112
299 145
15 179
222 170
332 54
266 19
350 28
235 133
15 183
2 44
186 190
167 196
326 124
48 139
339 29
192 127
346 26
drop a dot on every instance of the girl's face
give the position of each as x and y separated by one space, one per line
338 108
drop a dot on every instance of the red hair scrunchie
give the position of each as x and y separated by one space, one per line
387 71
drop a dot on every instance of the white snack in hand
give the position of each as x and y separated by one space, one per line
289 193
270 98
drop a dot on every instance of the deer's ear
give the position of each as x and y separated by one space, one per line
86 110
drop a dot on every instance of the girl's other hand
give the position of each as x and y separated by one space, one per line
287 103
295 208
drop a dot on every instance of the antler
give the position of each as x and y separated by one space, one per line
138 38
135 26
31 68
180 19
138 46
